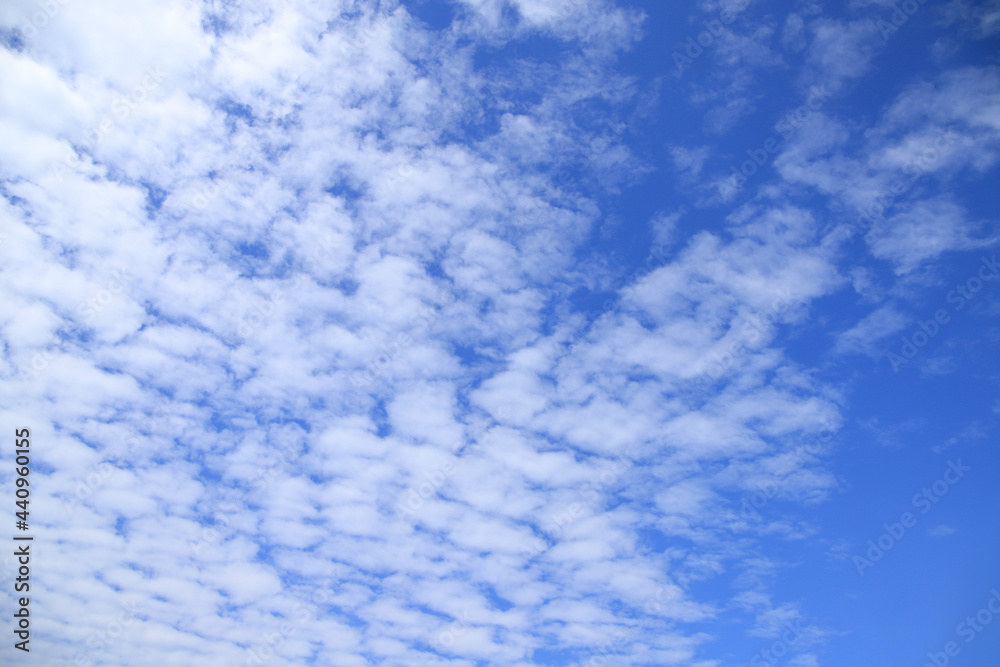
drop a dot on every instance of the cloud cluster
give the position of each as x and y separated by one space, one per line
273 272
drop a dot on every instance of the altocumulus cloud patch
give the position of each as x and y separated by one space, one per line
498 332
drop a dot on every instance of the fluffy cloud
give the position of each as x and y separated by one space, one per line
287 314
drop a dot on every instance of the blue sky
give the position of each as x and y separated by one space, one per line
504 332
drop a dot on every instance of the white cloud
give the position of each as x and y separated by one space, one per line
841 51
922 232
941 531
327 300
865 336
